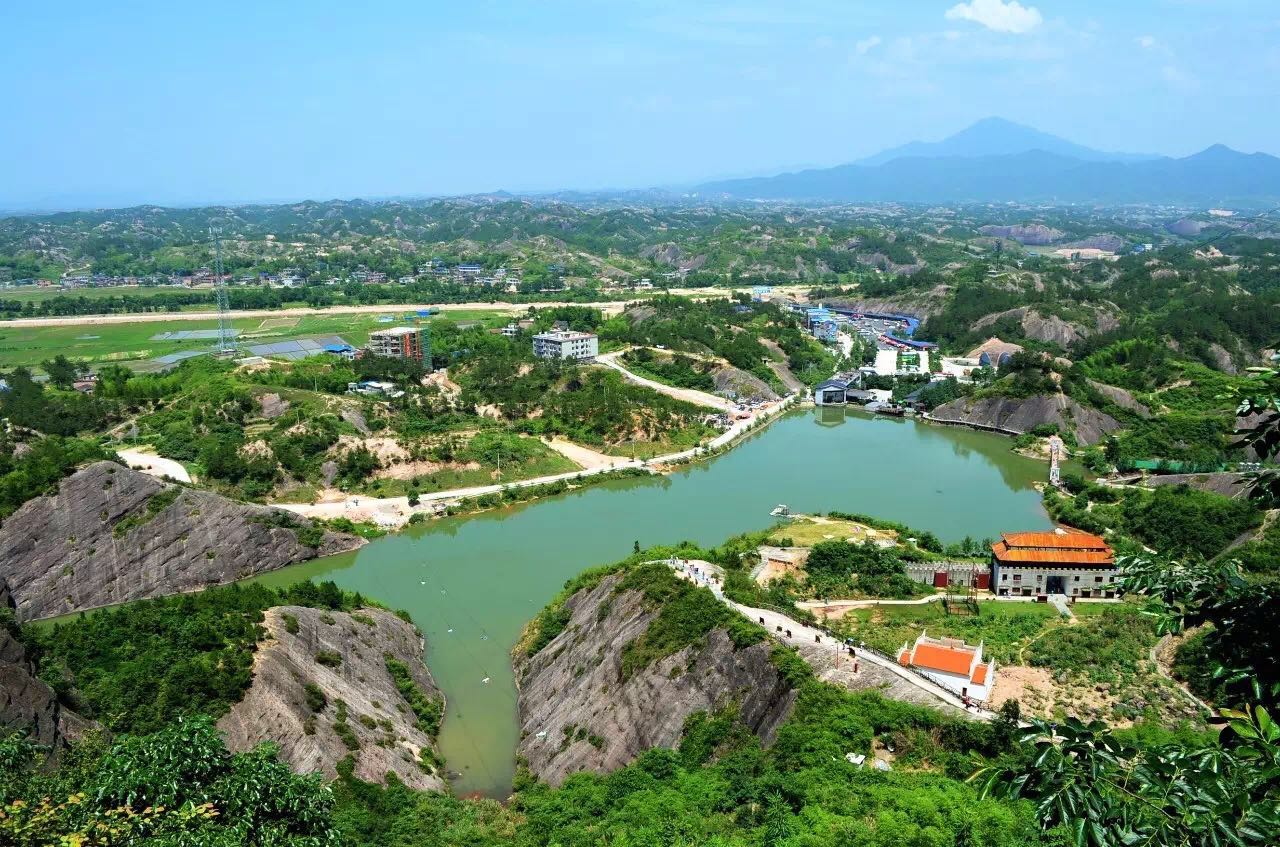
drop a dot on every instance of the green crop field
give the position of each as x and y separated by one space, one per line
34 294
132 344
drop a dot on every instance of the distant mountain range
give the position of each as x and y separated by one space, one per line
998 137
996 160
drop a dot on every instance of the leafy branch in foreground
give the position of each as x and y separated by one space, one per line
1241 614
1225 793
1109 793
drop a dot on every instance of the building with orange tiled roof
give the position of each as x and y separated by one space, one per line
952 664
1058 561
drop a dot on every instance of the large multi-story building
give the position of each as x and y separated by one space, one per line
1060 561
566 344
402 342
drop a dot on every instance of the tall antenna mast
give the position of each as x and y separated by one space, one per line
226 340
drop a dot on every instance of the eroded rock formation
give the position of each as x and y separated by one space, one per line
325 687
577 713
1019 415
111 534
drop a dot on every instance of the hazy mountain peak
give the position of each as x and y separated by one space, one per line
996 136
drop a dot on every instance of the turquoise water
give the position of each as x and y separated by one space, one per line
471 583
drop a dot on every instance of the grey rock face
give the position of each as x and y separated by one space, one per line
571 690
111 535
1018 415
1051 329
377 716
1121 398
1034 234
27 705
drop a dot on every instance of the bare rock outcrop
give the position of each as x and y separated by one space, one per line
742 384
577 713
1049 329
1018 415
1224 483
323 688
111 534
28 706
1108 241
921 305
1121 398
1033 234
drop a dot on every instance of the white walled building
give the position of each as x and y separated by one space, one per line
566 344
952 664
886 362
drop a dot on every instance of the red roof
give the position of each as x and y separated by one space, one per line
1066 539
1065 546
936 657
980 675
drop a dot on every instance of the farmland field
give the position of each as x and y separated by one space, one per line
131 343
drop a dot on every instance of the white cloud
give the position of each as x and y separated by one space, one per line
866 44
997 15
1146 42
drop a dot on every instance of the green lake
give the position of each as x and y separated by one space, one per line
471 583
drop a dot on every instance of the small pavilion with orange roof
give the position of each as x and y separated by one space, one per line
952 664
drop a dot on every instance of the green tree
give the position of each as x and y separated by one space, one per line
62 371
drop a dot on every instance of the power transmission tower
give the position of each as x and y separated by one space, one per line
226 338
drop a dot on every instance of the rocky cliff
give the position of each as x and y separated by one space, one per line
920 305
1033 234
578 713
1019 415
329 684
111 534
1050 329
27 705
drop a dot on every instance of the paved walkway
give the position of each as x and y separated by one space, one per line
392 512
828 657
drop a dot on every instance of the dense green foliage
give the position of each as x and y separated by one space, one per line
678 370
428 710
685 615
1174 519
1100 646
1177 791
590 406
52 411
176 787
840 569
37 468
136 668
721 787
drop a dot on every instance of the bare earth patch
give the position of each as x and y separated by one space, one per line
582 456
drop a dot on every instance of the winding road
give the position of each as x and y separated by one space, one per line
689 395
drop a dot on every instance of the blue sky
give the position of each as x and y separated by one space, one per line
173 102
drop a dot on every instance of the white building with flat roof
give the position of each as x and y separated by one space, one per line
566 344
886 362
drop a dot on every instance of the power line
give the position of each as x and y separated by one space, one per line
226 340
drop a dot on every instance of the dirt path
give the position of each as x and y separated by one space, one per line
583 456
392 512
150 463
689 395
780 369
